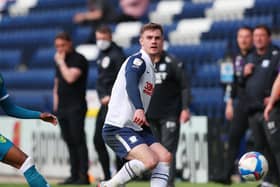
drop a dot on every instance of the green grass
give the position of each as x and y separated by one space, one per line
145 184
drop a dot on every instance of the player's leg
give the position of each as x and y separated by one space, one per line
170 131
128 144
14 157
99 144
160 173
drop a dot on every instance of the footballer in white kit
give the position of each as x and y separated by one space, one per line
132 90
126 128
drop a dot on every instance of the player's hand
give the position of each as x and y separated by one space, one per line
59 58
185 116
248 69
48 118
267 111
139 117
105 100
266 101
79 18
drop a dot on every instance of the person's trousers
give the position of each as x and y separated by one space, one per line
262 145
99 144
238 127
72 123
272 130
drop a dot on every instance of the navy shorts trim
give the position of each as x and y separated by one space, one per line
122 140
5 146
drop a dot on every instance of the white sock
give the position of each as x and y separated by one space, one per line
160 175
129 170
28 163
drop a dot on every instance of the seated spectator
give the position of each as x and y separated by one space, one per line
104 11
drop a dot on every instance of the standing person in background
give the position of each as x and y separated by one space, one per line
169 106
9 153
70 105
260 75
109 62
237 114
126 129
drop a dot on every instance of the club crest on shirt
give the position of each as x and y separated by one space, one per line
265 63
105 62
162 67
167 59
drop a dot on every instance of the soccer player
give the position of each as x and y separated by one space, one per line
11 154
126 129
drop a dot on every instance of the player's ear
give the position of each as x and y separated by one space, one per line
141 40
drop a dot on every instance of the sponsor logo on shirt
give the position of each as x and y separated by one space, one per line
3 139
148 88
137 63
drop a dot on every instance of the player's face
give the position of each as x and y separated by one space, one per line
62 46
261 38
152 42
244 39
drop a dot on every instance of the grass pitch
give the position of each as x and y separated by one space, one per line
145 184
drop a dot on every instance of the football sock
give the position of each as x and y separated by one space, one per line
31 175
160 175
129 170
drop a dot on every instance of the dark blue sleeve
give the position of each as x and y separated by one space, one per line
12 109
134 70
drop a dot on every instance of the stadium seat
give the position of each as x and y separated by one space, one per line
10 59
42 58
31 79
35 100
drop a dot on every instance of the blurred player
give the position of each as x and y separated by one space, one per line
126 129
11 154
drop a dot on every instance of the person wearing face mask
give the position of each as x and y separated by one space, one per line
109 62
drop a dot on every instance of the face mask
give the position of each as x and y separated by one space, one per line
103 44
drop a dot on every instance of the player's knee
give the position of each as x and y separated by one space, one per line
151 162
166 157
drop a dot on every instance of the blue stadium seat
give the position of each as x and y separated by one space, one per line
131 50
28 38
31 79
43 58
91 83
207 75
82 35
10 59
191 10
35 100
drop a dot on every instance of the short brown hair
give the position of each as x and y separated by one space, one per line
151 26
64 36
104 29
265 28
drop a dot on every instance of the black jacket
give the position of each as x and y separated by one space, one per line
172 89
259 84
108 65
